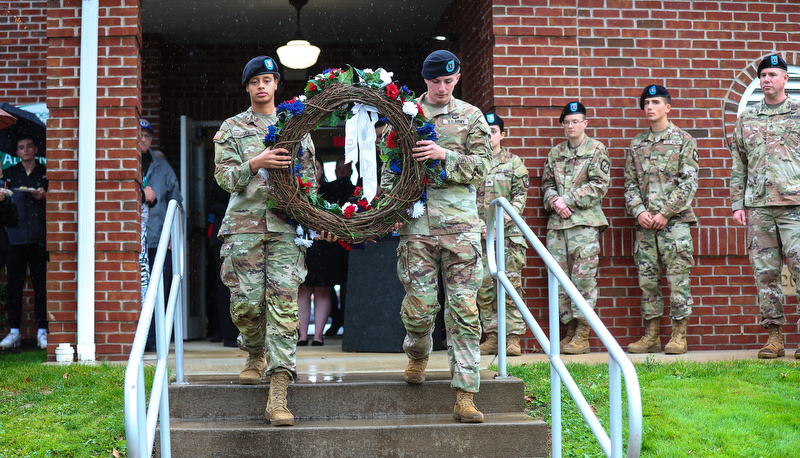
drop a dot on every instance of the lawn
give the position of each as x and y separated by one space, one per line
51 410
727 409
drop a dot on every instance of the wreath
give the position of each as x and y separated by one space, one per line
328 99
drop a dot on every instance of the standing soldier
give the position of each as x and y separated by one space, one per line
507 177
574 183
765 193
261 264
446 238
660 182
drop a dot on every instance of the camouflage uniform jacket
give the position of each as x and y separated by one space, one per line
238 140
661 174
451 207
581 179
766 156
507 177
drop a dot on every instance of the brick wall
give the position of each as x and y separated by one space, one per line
550 52
117 282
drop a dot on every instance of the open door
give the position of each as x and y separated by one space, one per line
193 191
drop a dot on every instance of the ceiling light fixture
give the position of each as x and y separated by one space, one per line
298 53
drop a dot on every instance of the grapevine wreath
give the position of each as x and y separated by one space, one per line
329 98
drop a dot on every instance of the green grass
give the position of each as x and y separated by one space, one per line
60 411
727 409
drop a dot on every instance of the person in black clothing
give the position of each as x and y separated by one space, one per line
217 202
9 217
340 191
28 182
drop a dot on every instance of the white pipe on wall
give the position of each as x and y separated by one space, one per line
87 144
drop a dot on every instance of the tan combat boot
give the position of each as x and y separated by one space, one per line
650 343
512 345
489 346
465 409
253 369
774 346
571 326
677 343
580 341
415 371
277 413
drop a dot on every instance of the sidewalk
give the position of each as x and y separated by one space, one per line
202 358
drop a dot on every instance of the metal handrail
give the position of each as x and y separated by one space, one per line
141 420
618 362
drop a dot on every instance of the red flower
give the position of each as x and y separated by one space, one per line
419 110
424 181
312 87
392 92
348 210
363 204
357 191
391 139
345 245
304 184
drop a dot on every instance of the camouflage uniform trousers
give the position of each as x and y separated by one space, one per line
458 256
672 248
263 272
577 251
773 233
487 294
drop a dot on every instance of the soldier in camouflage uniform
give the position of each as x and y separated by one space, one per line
261 264
507 177
575 180
446 237
660 183
765 193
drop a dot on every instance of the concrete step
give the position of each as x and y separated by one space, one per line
348 396
501 435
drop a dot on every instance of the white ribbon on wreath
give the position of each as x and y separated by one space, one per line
359 146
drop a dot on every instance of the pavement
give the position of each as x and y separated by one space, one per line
203 358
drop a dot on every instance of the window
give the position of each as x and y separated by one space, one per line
753 94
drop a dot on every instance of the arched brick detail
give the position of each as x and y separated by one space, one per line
730 104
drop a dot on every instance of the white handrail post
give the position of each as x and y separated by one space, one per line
615 407
499 223
555 353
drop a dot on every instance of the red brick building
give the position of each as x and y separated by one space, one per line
524 59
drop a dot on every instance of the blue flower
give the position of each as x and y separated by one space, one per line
394 166
427 131
384 120
294 108
405 89
300 152
443 175
424 196
270 137
297 169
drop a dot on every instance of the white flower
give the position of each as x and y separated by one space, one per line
416 210
301 98
299 230
386 77
303 242
410 108
368 70
313 235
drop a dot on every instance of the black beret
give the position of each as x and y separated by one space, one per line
440 63
773 61
494 120
654 90
260 65
572 108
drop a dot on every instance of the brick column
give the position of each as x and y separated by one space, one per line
117 278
